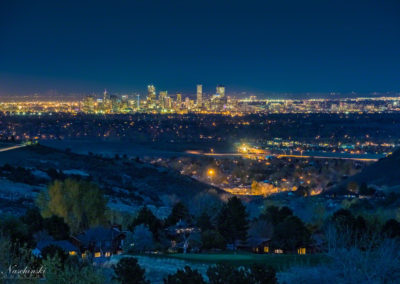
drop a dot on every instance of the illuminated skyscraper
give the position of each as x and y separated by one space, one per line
199 95
138 101
151 94
162 98
105 96
178 98
221 91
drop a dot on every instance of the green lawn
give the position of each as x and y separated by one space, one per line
279 262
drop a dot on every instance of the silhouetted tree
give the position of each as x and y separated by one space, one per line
211 239
204 222
276 215
391 229
233 220
179 212
185 276
291 234
145 216
56 227
128 271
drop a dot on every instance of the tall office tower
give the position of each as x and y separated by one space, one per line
88 104
138 101
105 96
151 93
199 95
161 98
178 98
221 91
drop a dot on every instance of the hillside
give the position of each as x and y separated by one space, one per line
383 174
128 183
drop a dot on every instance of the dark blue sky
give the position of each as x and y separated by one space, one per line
259 46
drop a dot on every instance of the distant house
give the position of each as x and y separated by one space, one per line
260 245
100 241
263 245
65 245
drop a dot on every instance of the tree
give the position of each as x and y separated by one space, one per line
128 271
142 239
33 220
224 273
365 190
261 228
52 251
56 227
58 273
232 221
276 215
179 212
344 220
262 274
391 229
13 228
204 222
291 234
211 239
185 276
146 217
257 274
80 203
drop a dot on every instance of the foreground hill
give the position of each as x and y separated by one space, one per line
384 174
128 183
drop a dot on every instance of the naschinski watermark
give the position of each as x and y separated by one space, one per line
15 272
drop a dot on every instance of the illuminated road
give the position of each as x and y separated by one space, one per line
281 156
11 148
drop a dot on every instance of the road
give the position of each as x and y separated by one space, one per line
11 148
282 156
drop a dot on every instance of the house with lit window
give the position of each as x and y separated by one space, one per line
263 245
100 242
65 245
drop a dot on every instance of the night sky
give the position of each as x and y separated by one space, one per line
255 46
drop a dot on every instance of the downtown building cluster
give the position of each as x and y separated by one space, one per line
161 102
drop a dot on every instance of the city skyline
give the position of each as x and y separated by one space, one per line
257 47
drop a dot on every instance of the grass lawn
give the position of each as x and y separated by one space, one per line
279 262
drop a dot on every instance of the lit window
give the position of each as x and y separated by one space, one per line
107 254
266 249
278 251
97 254
301 251
72 252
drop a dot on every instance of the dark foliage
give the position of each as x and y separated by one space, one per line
51 251
212 239
186 276
391 229
179 212
146 217
128 271
232 220
291 234
257 274
56 227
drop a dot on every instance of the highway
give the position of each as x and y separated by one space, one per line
11 148
250 155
